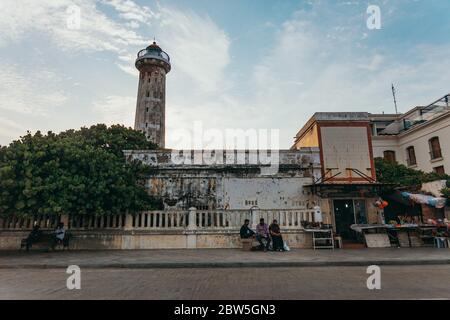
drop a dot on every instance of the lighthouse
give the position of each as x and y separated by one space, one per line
153 65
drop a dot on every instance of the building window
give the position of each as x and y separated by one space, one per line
148 94
411 156
389 155
439 170
435 148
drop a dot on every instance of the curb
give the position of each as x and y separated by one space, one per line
214 265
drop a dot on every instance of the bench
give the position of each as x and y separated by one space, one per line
47 241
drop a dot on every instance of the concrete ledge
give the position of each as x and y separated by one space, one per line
154 239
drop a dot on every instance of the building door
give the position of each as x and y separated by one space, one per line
344 215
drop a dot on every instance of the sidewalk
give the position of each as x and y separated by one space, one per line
222 258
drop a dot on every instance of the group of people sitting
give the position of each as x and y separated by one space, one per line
57 237
264 234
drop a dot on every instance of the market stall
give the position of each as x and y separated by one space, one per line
404 235
373 235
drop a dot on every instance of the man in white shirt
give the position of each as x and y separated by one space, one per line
60 233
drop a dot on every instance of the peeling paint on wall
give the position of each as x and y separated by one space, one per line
235 186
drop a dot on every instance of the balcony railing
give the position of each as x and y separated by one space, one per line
180 220
153 54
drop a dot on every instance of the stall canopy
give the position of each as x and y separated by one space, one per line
425 199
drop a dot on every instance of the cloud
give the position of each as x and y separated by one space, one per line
338 72
9 129
129 10
199 48
322 58
116 110
34 91
97 31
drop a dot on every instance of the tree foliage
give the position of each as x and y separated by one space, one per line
77 171
446 191
400 175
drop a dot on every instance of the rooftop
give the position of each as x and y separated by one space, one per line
336 116
418 115
332 116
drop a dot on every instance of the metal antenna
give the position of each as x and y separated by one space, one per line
395 100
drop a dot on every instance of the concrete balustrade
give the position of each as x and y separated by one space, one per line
159 229
191 219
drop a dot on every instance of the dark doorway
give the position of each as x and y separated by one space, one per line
344 214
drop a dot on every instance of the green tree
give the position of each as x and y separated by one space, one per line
400 175
77 171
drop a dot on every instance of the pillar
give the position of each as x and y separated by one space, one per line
129 222
255 217
191 234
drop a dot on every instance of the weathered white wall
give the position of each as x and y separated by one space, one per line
266 193
385 143
434 187
10 240
233 181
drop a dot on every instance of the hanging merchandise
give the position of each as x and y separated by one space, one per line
381 204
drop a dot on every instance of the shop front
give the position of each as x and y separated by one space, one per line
348 212
350 204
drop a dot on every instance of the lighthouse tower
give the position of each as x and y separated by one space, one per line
153 65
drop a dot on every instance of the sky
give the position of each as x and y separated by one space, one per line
236 64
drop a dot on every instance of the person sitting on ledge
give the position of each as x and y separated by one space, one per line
59 235
277 239
246 232
33 237
262 233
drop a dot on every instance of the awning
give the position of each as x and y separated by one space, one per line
351 190
425 199
398 198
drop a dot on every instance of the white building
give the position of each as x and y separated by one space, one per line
419 138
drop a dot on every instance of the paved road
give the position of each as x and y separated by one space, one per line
222 258
398 282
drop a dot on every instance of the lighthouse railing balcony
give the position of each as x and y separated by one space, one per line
145 53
